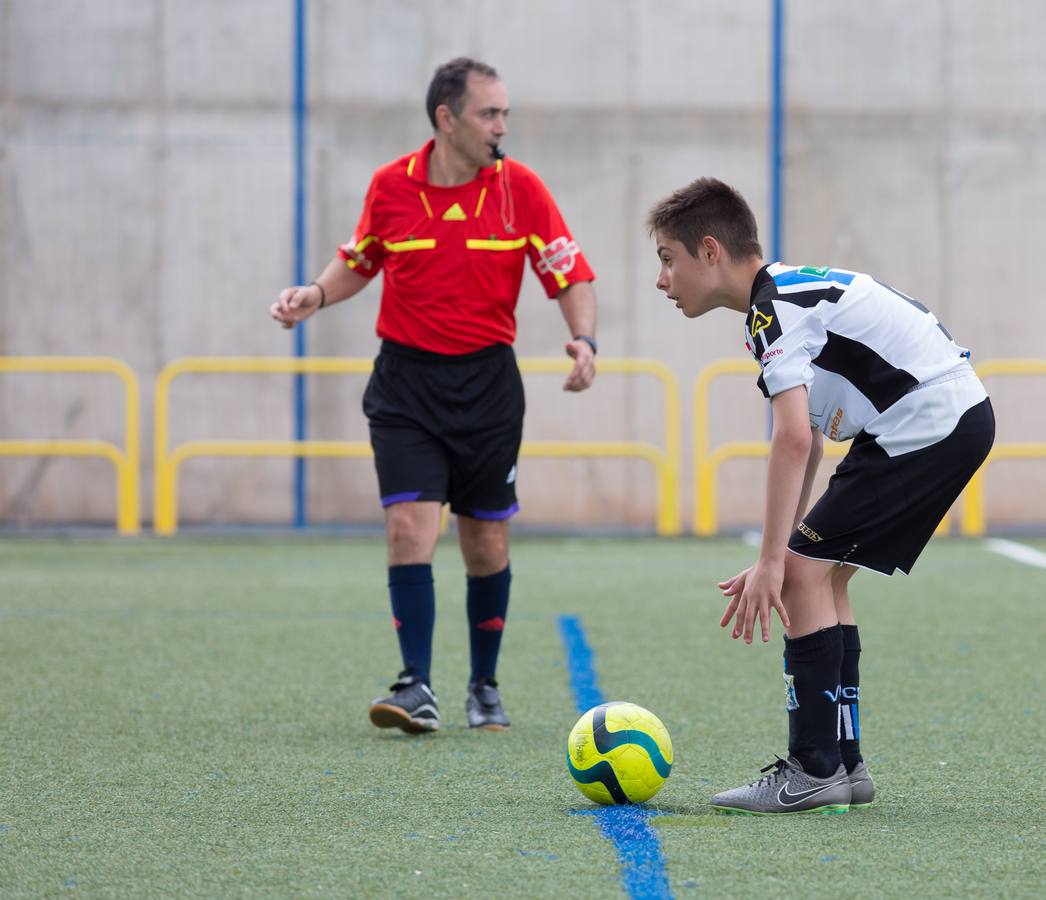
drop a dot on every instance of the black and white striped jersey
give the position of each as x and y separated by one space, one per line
871 357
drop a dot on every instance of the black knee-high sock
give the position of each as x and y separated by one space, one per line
849 696
414 614
486 603
812 666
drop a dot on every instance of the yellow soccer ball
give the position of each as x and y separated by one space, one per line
619 753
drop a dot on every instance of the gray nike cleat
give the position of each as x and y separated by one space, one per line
483 706
862 788
411 707
787 789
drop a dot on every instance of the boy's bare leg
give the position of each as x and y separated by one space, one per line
841 576
808 596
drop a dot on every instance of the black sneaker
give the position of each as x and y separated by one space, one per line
483 706
411 706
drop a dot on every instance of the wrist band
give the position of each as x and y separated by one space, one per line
591 341
323 294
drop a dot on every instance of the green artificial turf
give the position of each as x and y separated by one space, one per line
188 718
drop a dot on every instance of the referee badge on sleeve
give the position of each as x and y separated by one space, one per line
558 256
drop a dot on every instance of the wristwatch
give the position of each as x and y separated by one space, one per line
591 341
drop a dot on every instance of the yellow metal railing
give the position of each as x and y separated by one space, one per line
666 461
974 522
124 461
165 476
707 462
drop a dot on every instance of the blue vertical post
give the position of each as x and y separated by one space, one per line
776 144
777 130
298 276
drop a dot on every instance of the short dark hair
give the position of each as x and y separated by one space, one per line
707 207
450 82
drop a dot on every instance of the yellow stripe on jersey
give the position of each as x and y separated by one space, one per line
479 205
539 245
400 246
477 244
410 166
359 248
425 200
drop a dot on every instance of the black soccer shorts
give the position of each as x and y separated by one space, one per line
880 511
447 428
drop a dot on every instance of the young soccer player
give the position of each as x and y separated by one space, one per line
843 355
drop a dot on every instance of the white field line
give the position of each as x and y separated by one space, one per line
1019 552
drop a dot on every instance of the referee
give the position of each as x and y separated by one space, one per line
452 225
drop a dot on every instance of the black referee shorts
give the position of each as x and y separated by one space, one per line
880 511
447 428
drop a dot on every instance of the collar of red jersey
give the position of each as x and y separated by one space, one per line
418 165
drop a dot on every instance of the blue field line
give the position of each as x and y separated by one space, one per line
627 827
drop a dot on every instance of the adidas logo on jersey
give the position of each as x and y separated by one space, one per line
455 214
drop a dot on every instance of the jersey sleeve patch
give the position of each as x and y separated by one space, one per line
780 338
763 328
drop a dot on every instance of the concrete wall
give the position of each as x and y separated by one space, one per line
146 212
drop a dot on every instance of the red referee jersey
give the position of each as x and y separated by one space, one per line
453 256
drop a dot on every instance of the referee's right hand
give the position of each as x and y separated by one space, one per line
296 304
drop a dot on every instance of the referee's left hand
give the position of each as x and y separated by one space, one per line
584 370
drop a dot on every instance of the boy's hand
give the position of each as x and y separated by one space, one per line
733 586
752 593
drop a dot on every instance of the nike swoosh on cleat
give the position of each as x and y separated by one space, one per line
793 799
